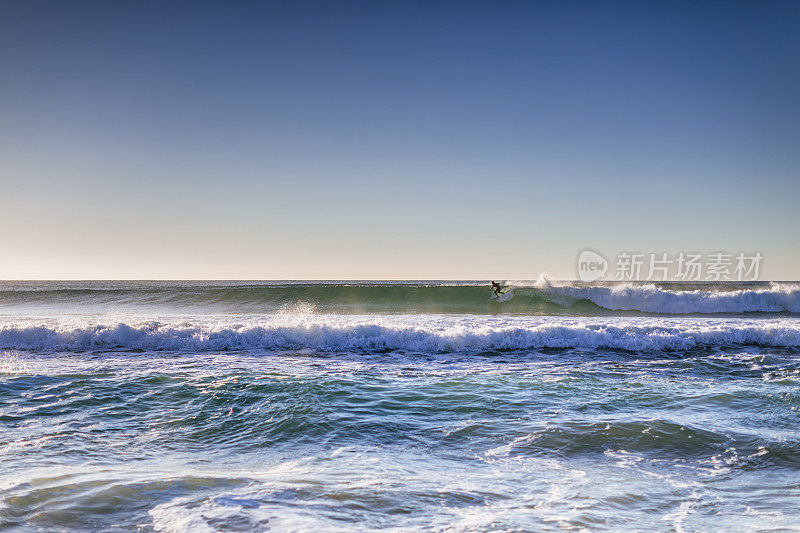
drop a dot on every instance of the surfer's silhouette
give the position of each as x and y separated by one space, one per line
496 288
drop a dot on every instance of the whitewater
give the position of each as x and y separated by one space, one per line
423 317
421 405
407 334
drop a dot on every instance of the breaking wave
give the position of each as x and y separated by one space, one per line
405 334
777 298
539 298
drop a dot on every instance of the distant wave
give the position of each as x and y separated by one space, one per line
539 298
405 335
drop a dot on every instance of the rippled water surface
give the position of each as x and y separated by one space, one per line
514 440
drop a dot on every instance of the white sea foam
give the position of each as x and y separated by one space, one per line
406 333
652 299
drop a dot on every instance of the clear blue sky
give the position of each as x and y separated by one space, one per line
393 139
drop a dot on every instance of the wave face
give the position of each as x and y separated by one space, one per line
406 334
540 298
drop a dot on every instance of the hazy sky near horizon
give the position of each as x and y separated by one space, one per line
352 140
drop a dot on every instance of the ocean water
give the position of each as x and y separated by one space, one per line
361 406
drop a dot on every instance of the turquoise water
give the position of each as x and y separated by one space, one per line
129 409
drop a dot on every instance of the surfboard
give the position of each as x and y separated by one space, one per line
503 297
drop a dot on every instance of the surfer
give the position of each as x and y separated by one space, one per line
496 289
